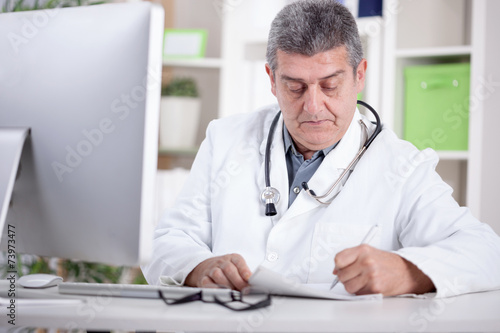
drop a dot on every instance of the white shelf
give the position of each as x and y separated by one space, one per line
177 152
446 51
451 155
197 63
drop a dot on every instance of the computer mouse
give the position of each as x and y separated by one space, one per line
39 280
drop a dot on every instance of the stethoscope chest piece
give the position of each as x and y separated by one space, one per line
270 196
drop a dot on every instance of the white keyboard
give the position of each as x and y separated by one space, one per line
135 290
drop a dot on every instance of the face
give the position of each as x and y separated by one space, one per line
317 96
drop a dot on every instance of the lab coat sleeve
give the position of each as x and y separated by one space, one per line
456 251
183 236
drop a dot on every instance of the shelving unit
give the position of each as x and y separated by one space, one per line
234 65
422 33
448 31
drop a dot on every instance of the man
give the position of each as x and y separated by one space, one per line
218 232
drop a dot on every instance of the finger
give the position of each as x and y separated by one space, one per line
241 266
352 275
206 282
219 277
233 275
361 276
355 284
348 273
345 258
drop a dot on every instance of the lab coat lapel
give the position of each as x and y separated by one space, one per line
330 169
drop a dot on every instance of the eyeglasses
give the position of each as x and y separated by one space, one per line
247 299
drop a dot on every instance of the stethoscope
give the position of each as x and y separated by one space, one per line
271 196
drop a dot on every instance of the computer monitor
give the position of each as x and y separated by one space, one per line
86 83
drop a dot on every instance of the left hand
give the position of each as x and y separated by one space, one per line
228 270
366 270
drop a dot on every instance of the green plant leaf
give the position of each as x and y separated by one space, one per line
181 87
18 6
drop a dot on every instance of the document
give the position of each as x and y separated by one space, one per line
277 284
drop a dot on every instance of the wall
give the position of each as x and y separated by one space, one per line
490 166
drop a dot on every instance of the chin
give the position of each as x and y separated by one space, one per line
320 144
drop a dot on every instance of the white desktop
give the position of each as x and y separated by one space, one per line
46 308
80 89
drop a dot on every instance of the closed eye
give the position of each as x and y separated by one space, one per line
297 89
329 88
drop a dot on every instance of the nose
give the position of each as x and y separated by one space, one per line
313 100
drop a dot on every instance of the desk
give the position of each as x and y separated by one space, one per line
466 313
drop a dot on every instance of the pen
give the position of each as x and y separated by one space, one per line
367 239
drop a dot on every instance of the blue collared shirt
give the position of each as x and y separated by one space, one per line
300 170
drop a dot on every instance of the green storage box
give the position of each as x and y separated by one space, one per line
437 106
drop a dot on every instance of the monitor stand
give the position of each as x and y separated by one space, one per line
11 146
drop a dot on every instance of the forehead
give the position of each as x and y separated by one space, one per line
311 68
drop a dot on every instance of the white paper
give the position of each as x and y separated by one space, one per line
277 284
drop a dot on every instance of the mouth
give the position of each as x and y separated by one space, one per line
315 122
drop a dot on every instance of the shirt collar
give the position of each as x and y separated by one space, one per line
289 145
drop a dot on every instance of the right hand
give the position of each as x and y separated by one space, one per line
229 270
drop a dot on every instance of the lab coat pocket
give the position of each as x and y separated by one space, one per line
328 240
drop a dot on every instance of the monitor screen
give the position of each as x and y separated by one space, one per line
86 83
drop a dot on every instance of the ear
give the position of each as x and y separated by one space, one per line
271 77
361 75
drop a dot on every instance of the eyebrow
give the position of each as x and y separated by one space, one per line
289 78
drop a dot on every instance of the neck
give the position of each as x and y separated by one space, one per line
307 153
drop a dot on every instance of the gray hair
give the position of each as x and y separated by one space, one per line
311 27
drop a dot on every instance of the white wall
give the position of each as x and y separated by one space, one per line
489 170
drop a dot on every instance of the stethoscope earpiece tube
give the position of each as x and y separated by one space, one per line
378 127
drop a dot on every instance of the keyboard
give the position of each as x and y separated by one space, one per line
136 290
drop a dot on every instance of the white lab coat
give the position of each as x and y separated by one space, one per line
219 211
